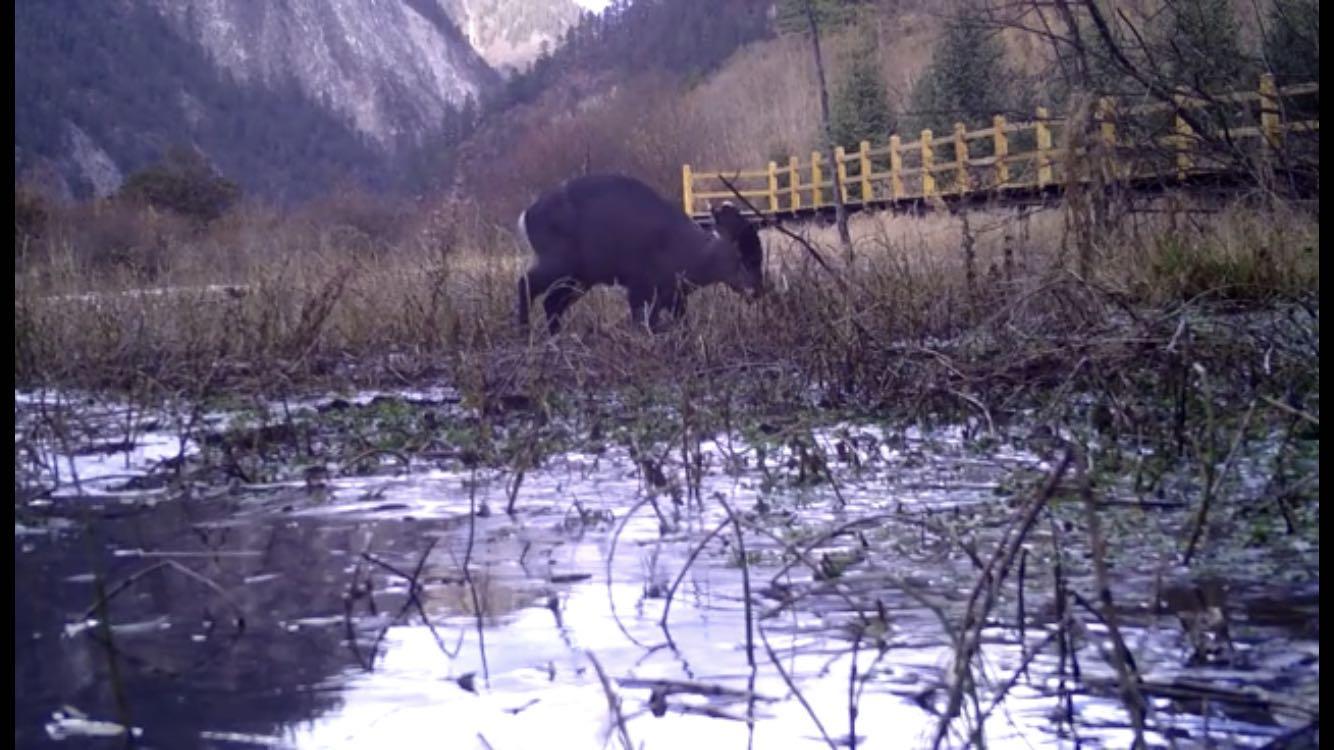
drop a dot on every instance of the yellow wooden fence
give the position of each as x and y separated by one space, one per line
945 165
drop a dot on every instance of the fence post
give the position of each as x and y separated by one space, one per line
1043 132
773 187
960 159
895 168
1107 129
687 190
816 187
928 162
866 171
1002 149
794 182
841 166
1182 139
1270 118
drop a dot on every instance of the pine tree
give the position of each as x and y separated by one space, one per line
967 79
1203 38
1090 65
861 108
468 116
1292 40
790 15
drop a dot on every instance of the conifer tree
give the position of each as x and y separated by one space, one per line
1205 51
790 15
860 109
1292 40
967 79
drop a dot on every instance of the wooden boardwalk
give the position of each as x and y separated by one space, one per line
1138 146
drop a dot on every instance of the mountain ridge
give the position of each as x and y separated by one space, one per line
287 99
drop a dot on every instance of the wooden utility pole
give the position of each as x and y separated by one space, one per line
840 211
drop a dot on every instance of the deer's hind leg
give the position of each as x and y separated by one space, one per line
560 296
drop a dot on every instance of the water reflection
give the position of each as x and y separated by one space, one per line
293 618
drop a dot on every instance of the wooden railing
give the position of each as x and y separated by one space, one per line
1141 141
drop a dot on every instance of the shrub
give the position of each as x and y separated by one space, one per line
183 183
110 236
31 215
359 217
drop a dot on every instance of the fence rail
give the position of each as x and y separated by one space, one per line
1151 141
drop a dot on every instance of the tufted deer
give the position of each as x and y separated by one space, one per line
611 229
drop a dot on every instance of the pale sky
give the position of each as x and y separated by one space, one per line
593 5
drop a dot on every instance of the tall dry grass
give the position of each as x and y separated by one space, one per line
268 303
764 102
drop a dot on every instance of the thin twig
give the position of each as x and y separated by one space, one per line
745 583
985 592
1122 662
685 567
1215 481
613 702
802 240
787 679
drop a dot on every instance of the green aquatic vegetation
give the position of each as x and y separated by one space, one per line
755 558
835 564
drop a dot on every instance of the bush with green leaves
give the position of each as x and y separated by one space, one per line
183 183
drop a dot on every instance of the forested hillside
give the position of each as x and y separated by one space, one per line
641 87
651 85
287 100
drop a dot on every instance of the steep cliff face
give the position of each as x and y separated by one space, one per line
285 96
510 34
390 66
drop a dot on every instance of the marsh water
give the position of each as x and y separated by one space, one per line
403 607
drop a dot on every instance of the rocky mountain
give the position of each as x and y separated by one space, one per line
509 34
389 66
285 96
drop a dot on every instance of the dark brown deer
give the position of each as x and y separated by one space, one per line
612 229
